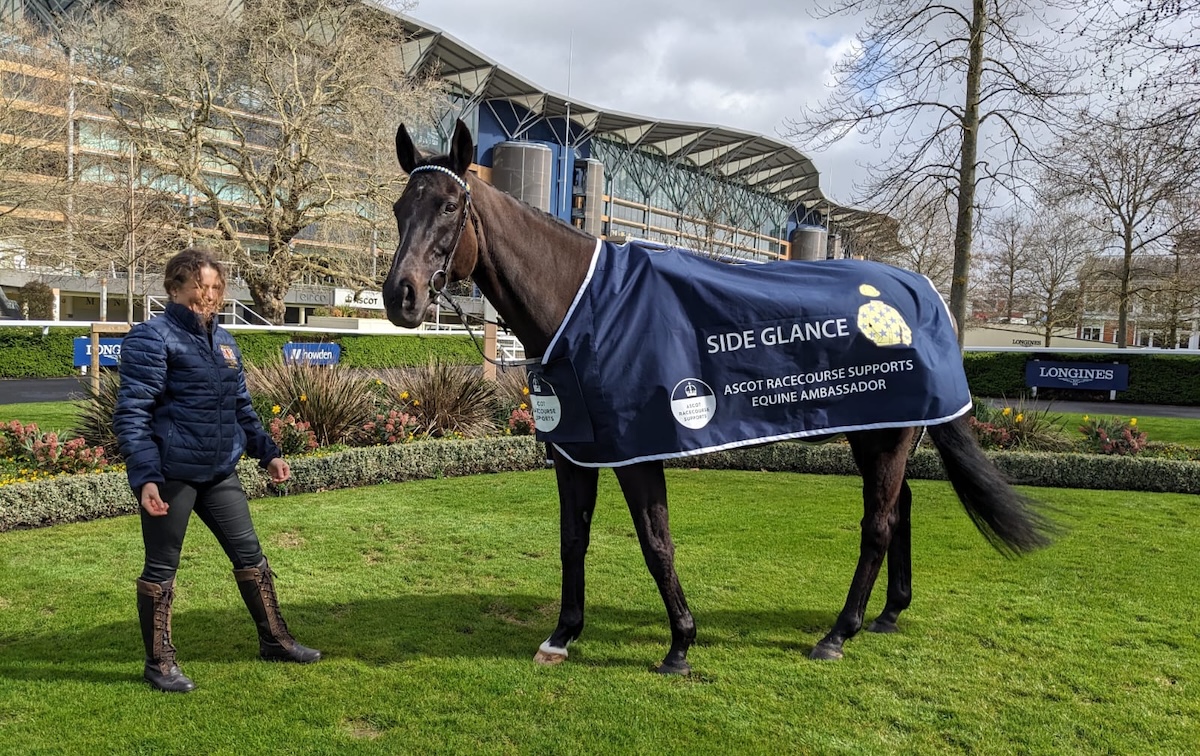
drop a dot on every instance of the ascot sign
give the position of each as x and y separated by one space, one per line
1103 376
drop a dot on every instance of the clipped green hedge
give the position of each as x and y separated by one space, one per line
83 497
1154 378
370 351
263 347
363 350
72 498
27 353
1045 469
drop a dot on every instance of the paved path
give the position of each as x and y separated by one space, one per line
22 390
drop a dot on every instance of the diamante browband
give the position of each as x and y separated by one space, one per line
458 179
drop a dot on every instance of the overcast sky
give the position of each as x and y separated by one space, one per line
746 64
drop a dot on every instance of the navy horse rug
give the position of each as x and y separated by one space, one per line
666 354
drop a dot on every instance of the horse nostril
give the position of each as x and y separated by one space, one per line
409 296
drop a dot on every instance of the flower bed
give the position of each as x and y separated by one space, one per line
69 498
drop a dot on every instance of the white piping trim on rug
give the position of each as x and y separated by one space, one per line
575 302
767 440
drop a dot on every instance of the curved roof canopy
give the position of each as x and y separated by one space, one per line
756 161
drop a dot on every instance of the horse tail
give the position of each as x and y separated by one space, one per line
1009 520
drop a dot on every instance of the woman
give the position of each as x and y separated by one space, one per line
183 420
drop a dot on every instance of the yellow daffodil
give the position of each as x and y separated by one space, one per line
524 405
404 395
416 402
1020 417
1007 411
304 397
1085 418
1133 422
275 409
524 391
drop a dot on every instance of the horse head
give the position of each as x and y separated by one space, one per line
433 215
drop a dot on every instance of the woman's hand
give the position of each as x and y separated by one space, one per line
152 502
279 470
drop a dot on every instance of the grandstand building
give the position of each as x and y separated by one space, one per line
723 192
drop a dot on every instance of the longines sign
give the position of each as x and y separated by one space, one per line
1104 376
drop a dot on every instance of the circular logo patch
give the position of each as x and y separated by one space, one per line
693 403
547 412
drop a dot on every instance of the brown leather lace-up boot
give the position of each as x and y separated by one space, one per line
154 614
275 643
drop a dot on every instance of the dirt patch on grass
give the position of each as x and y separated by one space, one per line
288 540
363 728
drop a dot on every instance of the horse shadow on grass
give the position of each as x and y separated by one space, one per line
395 630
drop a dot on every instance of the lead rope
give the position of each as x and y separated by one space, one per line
438 292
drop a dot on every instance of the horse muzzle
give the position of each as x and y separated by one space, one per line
405 303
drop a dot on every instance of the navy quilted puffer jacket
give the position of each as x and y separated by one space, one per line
183 410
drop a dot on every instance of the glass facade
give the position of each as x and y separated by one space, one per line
655 198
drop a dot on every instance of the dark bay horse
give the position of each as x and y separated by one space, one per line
530 265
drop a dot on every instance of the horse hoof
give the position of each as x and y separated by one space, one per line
825 653
881 626
675 668
548 658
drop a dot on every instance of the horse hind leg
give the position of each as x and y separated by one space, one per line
881 457
899 566
645 490
576 505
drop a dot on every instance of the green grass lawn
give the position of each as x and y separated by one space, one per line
49 416
1172 430
429 600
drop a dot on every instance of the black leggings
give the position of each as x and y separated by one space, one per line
221 505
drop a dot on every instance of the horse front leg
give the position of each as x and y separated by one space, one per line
645 489
899 567
576 504
881 459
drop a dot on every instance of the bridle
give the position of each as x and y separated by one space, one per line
438 290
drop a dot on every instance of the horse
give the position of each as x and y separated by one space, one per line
453 225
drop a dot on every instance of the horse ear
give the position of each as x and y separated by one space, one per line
462 150
406 152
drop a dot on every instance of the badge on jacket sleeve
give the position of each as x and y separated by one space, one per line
230 355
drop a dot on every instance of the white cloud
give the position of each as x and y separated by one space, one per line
748 65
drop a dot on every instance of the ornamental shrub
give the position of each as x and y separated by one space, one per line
392 427
46 452
334 401
1018 427
95 419
292 436
37 299
1112 435
520 423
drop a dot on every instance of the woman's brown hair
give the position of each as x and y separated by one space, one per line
186 266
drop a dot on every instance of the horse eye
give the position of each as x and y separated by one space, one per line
451 207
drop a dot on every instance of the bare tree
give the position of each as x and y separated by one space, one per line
1174 304
1150 51
269 117
966 85
1061 243
925 236
1127 171
33 136
1008 254
124 223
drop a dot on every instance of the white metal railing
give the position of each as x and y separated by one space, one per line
234 312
